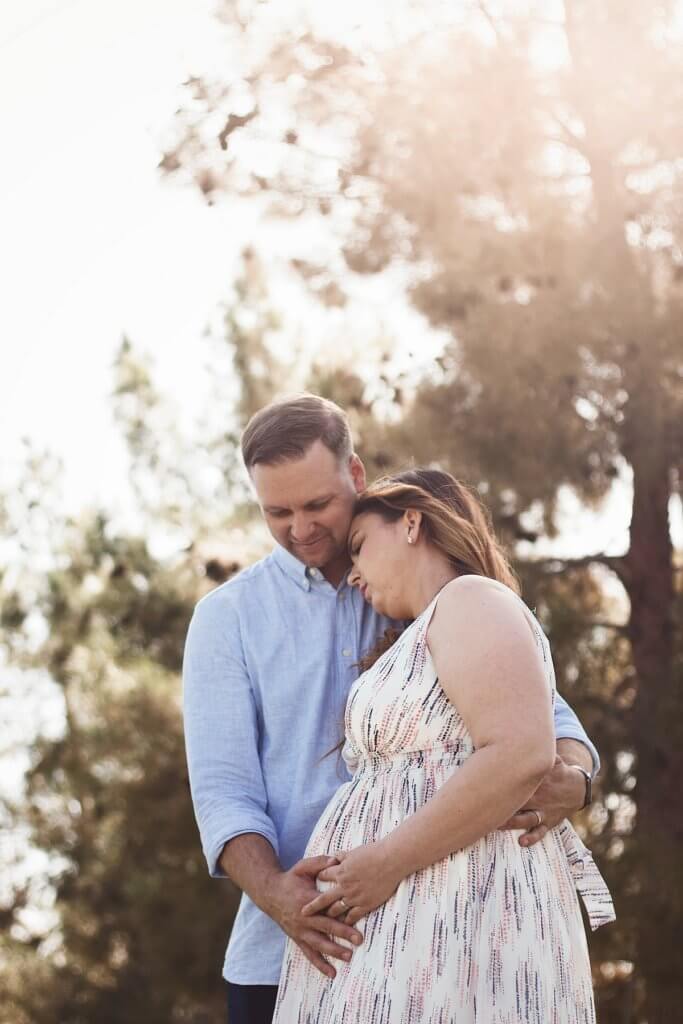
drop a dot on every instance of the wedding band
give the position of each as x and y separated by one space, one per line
539 820
344 903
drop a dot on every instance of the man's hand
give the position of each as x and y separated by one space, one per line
559 795
363 881
314 934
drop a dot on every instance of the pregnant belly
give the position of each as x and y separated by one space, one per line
373 804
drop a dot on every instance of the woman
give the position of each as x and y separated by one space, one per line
448 732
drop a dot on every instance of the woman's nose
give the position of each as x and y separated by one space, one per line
354 577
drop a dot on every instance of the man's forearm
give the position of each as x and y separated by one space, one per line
252 864
250 861
575 752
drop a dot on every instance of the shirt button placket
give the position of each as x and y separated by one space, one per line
347 631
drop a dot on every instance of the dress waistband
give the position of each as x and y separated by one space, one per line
403 760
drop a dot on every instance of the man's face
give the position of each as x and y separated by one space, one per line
308 503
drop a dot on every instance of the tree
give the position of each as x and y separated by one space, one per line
119 921
526 162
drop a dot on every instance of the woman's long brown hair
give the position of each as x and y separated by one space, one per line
453 519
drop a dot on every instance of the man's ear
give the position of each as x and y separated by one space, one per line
357 470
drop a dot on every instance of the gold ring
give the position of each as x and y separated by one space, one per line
539 819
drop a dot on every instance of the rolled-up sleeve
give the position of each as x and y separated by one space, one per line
568 727
221 733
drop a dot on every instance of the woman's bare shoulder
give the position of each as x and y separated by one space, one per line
479 604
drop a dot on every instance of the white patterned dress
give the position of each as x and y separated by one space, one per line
493 933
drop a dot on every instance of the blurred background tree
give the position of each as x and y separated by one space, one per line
515 170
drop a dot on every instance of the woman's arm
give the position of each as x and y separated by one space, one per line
490 667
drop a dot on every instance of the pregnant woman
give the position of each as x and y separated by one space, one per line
448 732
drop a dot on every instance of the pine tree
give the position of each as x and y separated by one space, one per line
526 160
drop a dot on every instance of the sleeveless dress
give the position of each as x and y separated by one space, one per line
493 933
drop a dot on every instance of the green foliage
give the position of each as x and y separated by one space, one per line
140 929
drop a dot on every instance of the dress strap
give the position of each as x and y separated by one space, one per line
588 881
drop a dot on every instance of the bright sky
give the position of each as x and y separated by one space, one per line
94 244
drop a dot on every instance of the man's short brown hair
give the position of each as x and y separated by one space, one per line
286 430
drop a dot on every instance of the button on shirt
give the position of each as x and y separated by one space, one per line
269 660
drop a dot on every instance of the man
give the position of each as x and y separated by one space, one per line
269 660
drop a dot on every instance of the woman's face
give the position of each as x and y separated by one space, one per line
380 555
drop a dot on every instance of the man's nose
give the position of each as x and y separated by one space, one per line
301 528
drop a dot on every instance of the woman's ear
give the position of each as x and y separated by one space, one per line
412 521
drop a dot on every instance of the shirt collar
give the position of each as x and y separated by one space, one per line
296 570
292 567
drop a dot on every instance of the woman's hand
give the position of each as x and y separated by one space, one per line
362 881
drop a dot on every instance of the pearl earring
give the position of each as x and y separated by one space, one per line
410 539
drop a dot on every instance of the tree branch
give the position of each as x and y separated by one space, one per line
558 566
616 626
570 29
569 137
490 20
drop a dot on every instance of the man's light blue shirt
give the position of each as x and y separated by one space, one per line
269 660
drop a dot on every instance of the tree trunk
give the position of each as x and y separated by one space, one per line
656 714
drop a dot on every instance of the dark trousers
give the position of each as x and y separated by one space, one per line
251 1004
